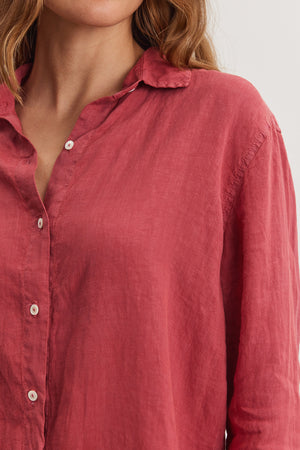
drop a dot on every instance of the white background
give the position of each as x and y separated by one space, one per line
260 41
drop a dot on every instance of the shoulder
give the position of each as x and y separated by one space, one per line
234 120
230 98
224 86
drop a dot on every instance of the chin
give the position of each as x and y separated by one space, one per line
98 13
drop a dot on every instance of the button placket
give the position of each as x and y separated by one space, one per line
32 394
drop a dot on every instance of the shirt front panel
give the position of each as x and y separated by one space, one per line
106 271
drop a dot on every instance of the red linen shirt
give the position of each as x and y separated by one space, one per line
152 301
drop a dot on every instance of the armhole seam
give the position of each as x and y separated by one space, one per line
236 180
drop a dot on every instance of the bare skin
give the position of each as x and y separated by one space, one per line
82 53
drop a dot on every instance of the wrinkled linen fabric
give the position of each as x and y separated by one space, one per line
151 302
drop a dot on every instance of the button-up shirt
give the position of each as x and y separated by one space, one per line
152 300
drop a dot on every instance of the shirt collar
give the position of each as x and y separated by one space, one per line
154 70
151 68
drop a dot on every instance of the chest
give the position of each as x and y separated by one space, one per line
47 153
48 137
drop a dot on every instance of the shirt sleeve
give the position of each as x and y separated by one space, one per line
261 295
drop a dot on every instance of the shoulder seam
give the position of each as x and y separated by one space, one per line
237 176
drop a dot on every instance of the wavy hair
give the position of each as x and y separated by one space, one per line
177 27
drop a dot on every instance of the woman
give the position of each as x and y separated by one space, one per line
149 267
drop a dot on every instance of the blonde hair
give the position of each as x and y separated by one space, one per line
177 27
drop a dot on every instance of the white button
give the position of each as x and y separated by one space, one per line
32 395
40 222
69 145
132 89
34 309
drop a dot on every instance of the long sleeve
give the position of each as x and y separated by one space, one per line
260 284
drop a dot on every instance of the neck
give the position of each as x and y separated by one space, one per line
76 64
